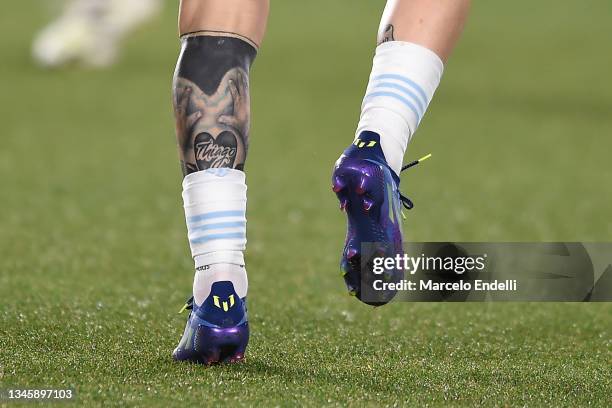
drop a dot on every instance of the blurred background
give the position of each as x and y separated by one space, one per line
92 236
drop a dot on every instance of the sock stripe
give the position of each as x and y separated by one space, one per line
218 225
214 214
213 237
406 91
408 81
399 98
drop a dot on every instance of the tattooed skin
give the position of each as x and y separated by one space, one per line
387 35
213 130
211 105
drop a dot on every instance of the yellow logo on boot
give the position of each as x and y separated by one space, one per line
226 305
359 143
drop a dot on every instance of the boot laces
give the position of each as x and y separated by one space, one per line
406 202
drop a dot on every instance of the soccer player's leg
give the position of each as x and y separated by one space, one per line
219 41
90 32
414 41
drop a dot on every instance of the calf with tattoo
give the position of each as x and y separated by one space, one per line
219 41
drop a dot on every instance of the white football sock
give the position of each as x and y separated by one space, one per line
215 211
402 83
207 274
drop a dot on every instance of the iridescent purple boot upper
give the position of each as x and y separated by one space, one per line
368 192
216 331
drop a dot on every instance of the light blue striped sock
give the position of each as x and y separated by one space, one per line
215 212
402 83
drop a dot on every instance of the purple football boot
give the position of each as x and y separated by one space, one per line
217 331
368 191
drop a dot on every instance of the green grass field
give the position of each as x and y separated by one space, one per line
94 259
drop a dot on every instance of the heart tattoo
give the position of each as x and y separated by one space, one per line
216 152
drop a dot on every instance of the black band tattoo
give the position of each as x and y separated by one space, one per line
387 35
211 102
